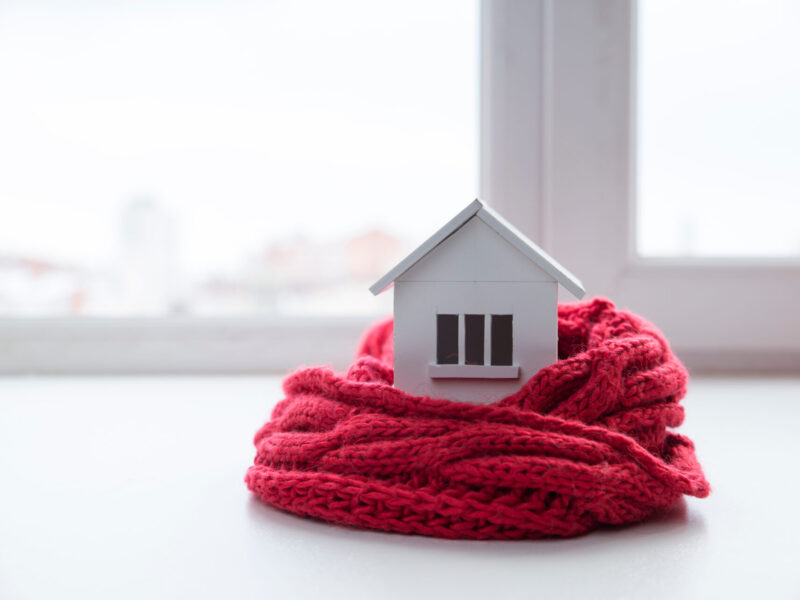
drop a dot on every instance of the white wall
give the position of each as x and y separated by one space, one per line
416 304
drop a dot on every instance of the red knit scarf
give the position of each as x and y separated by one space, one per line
582 443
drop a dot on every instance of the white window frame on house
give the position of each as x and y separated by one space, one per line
488 368
558 159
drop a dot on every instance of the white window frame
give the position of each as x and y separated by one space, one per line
557 154
460 369
558 158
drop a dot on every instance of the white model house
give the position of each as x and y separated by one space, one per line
474 309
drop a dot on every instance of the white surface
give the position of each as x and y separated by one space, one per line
132 488
176 344
558 159
473 371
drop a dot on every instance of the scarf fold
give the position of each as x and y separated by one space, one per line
585 442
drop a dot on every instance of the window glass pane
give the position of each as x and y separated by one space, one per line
227 156
719 128
502 340
447 339
473 342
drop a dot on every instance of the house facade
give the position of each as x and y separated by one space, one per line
475 309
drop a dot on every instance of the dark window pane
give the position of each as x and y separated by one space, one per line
502 340
447 339
473 342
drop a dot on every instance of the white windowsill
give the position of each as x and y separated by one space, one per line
268 344
165 513
473 371
217 345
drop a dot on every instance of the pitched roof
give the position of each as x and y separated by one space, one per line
505 229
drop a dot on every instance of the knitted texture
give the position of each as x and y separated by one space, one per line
582 443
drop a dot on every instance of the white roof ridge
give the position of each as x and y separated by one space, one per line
506 230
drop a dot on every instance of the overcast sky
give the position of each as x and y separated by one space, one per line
248 121
252 121
719 127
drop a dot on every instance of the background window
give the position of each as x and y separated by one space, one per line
227 158
580 95
719 128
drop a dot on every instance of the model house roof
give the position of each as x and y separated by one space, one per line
505 229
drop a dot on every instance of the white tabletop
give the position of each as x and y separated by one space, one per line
133 488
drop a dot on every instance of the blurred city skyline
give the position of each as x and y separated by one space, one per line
299 128
291 275
247 124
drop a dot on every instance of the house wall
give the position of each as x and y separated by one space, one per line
416 304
